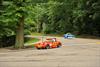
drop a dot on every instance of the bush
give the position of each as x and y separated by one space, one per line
6 41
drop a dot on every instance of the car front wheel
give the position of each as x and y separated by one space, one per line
58 45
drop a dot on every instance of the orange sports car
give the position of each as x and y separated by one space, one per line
49 43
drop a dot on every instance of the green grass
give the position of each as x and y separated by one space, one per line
29 42
37 34
42 34
55 35
61 35
87 36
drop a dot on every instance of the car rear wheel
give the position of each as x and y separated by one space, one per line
38 48
47 47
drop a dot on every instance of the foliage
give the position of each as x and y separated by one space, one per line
30 40
50 16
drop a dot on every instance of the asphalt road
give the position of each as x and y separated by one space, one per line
75 52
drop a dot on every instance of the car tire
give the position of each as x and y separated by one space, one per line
47 47
58 45
38 48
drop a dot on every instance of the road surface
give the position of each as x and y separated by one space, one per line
75 52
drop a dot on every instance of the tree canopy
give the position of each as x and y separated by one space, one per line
19 17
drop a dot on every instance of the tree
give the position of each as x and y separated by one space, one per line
48 16
39 16
15 14
20 10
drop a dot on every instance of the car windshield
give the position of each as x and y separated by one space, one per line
51 40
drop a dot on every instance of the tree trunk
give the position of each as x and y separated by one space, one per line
1 6
39 27
44 28
20 34
1 1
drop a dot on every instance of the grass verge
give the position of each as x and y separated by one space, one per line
29 42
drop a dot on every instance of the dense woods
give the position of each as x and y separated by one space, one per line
19 17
